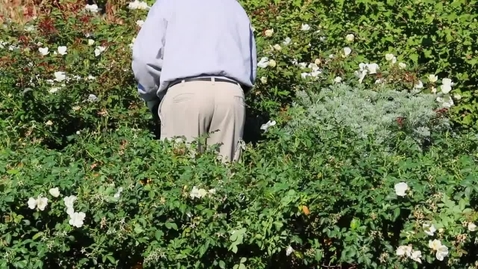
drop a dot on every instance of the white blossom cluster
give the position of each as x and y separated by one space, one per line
441 251
197 193
40 203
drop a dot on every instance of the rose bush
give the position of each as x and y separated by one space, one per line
362 163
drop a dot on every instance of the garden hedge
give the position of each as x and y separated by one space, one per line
362 159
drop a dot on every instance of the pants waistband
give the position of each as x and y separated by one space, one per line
212 79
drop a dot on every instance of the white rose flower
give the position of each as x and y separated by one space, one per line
62 50
446 85
305 27
53 90
419 85
401 189
263 63
287 41
445 89
138 5
404 251
289 250
77 219
42 202
55 192
99 50
447 81
92 98
272 63
389 57
69 201
432 78
197 193
429 229
434 244
441 253
268 124
92 8
347 51
446 102
416 256
269 32
59 76
373 68
32 203
440 249
43 51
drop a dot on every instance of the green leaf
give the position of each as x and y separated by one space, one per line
414 58
13 171
396 213
158 234
8 238
111 259
171 225
37 235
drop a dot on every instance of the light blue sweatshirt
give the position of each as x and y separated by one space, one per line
188 38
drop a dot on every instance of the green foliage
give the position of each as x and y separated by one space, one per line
48 98
430 37
319 194
363 168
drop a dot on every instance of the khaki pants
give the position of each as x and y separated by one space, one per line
197 108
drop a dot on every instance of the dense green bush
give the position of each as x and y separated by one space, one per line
327 196
426 37
68 57
361 166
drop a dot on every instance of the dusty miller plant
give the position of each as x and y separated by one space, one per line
380 114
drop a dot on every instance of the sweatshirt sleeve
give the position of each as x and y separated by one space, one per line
148 49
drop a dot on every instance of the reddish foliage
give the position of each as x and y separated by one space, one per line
441 111
85 19
29 12
47 26
400 121
24 39
410 77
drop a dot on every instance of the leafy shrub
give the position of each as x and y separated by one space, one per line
382 114
311 198
52 96
62 75
354 174
420 34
